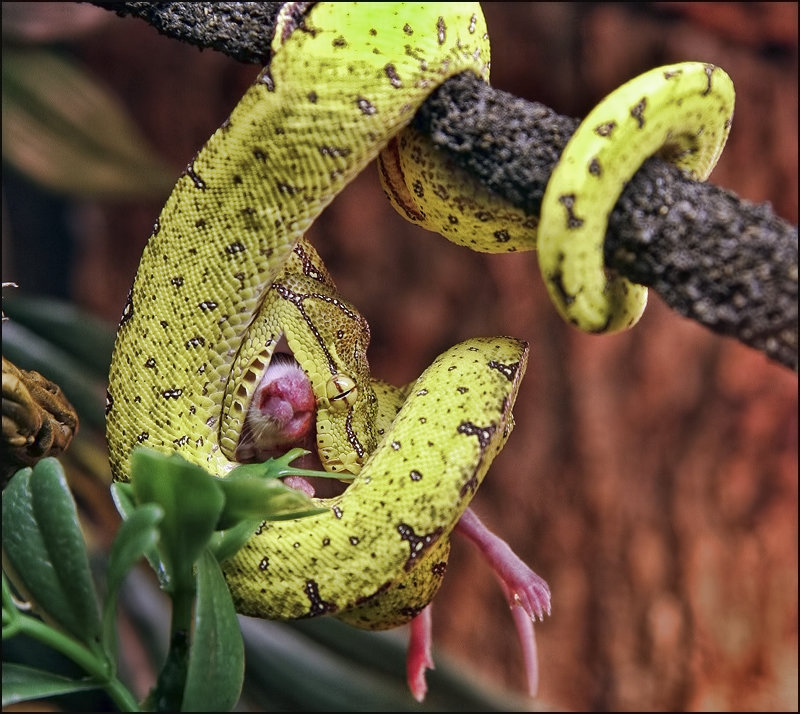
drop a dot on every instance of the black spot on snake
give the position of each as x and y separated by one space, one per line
568 201
365 106
265 78
286 189
606 129
318 605
192 174
507 370
127 311
334 151
709 70
418 544
234 248
484 433
557 279
637 111
391 73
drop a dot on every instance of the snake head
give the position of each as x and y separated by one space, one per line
304 365
333 356
329 337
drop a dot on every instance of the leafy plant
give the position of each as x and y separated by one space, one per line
173 511
353 670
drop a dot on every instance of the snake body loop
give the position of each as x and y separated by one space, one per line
681 111
226 276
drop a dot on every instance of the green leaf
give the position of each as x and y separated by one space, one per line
249 496
226 543
61 128
81 335
216 660
279 467
123 497
137 535
22 683
192 501
313 678
44 548
254 494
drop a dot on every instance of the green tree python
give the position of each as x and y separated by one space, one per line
226 277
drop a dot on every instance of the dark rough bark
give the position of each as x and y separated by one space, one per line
242 30
724 262
727 263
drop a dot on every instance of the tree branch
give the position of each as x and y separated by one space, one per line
728 264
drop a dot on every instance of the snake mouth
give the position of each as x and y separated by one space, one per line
282 416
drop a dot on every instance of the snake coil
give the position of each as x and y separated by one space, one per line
227 275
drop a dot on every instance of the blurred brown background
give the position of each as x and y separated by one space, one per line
652 476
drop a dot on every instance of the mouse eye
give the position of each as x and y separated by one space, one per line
341 391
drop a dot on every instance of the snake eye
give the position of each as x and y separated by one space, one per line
341 391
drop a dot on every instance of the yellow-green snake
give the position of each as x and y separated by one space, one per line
226 275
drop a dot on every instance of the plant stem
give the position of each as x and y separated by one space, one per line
94 666
168 693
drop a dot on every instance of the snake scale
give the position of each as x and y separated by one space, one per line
226 276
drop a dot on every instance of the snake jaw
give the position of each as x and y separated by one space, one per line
281 411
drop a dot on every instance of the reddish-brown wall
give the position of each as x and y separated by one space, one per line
652 475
